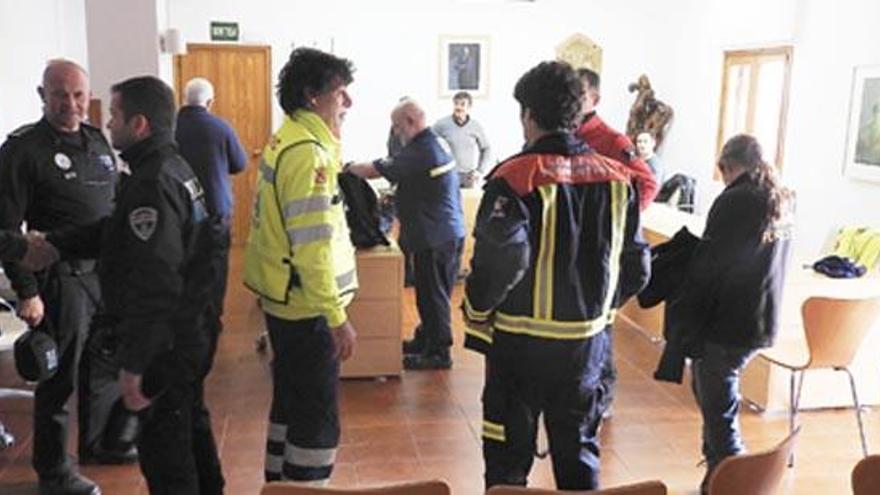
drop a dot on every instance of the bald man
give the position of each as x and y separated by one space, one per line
431 227
57 173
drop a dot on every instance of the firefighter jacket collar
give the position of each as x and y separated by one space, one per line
556 143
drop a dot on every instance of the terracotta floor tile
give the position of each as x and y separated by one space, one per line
427 424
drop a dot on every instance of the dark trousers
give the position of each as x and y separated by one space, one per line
303 428
207 460
527 376
715 383
220 266
69 309
98 388
609 371
177 453
435 272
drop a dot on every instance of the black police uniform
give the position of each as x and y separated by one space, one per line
53 180
155 252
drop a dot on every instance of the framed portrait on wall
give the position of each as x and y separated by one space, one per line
464 65
863 137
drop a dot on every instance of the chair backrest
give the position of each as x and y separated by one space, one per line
755 474
835 328
643 488
433 487
866 476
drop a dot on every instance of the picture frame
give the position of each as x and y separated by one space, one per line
863 135
464 65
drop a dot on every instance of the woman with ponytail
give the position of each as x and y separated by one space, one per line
733 289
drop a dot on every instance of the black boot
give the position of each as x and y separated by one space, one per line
69 484
429 359
415 345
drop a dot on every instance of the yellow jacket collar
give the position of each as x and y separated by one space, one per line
315 125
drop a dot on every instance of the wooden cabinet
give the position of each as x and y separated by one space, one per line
376 314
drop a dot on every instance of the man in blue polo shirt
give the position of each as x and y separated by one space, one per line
212 149
431 227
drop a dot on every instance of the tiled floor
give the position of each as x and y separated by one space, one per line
426 425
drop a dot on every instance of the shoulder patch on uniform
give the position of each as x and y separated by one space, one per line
195 188
143 222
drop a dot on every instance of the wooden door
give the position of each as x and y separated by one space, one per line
243 97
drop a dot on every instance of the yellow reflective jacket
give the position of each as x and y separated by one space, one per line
299 257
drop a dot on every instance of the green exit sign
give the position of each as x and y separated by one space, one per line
224 31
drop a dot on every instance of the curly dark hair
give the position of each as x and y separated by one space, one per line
309 72
552 92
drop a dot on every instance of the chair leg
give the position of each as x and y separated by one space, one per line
794 402
858 406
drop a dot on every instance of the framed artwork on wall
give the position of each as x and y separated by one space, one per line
464 65
863 136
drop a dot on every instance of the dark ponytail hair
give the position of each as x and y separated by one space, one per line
743 150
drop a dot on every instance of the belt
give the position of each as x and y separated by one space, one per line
75 267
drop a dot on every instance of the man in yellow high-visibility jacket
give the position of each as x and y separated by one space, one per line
300 260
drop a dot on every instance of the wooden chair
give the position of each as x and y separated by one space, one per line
433 487
754 474
643 488
866 476
835 329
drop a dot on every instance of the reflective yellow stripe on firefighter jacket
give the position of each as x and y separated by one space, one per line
299 256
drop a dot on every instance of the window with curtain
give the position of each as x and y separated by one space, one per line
754 98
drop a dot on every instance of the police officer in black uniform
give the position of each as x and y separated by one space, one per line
56 173
155 252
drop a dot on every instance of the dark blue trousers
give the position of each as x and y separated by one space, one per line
435 272
304 417
527 376
715 383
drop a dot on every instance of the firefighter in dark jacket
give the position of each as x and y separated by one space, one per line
558 249
155 253
56 173
733 290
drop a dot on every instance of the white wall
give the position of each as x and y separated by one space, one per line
832 38
123 42
32 33
394 45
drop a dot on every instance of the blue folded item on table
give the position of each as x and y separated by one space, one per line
839 267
